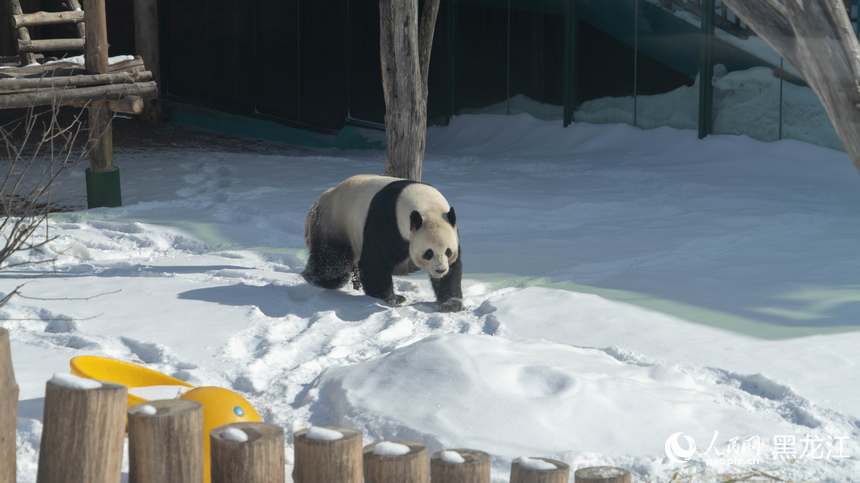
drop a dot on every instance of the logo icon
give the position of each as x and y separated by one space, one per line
676 452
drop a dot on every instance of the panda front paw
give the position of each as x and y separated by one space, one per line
452 305
394 299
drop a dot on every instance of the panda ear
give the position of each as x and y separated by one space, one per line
452 218
415 220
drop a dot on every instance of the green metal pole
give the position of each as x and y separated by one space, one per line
706 69
103 188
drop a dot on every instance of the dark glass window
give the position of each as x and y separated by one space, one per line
604 73
277 54
366 101
278 58
536 63
321 63
187 50
481 54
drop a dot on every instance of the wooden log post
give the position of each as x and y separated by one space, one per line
75 5
8 411
146 44
165 442
258 459
385 463
601 474
460 466
322 458
536 470
103 186
83 431
27 58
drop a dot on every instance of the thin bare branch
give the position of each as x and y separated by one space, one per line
43 151
69 298
66 319
11 294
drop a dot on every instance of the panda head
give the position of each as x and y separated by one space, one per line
434 242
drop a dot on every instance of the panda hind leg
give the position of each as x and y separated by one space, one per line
330 265
356 278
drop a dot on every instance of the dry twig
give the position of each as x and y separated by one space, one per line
40 153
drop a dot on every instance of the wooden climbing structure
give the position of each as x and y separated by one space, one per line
104 88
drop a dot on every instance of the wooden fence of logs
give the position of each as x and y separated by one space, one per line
83 430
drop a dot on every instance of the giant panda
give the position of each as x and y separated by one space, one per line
370 227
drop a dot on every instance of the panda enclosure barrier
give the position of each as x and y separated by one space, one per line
83 431
103 89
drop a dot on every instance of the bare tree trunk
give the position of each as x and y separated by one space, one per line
816 37
405 54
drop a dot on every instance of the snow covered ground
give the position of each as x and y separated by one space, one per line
628 292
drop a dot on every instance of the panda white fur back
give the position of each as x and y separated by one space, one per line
368 227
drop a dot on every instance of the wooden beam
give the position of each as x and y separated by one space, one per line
126 105
12 86
132 65
145 90
59 69
46 18
39 69
50 44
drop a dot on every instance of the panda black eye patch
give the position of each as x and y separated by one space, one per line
448 253
428 255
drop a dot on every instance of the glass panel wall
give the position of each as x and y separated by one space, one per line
315 63
604 74
667 66
509 57
276 57
186 64
259 57
536 72
803 115
481 57
439 89
366 100
321 63
229 48
747 80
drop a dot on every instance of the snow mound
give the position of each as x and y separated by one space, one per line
504 396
